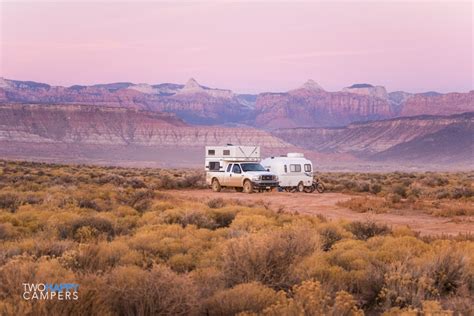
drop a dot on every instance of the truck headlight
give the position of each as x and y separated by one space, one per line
275 178
255 178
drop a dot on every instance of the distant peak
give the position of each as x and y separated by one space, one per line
360 85
192 83
367 89
312 85
3 82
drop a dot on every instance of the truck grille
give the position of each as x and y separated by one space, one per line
267 177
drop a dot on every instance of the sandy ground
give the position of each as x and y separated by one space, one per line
326 204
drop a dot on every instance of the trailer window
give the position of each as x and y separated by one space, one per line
214 165
295 168
226 152
211 152
286 169
307 167
228 167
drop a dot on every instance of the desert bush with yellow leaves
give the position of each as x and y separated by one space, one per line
436 193
137 248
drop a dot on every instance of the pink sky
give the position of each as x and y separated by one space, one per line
243 46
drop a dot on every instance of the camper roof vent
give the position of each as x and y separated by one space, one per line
295 155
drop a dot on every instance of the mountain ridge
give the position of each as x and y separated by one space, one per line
309 105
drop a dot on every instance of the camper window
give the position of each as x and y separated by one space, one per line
226 152
228 167
211 152
236 169
307 167
295 168
214 165
286 169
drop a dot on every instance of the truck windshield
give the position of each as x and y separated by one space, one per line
252 167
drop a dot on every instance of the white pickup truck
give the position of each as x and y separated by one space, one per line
244 177
237 167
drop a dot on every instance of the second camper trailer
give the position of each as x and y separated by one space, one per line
294 171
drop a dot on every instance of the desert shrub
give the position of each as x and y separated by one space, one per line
136 183
112 179
375 188
406 286
247 297
394 198
310 299
363 186
198 218
448 270
86 228
400 190
410 282
460 192
251 223
267 258
428 308
348 266
186 181
435 180
330 234
133 291
443 193
9 201
182 262
51 248
414 192
33 199
208 280
95 257
193 181
171 216
7 231
367 229
89 203
366 204
216 203
222 218
141 199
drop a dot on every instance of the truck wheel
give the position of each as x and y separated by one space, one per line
300 187
248 186
216 186
239 189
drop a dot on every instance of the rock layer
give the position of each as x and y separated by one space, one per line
369 138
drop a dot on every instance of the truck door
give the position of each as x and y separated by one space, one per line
236 176
227 178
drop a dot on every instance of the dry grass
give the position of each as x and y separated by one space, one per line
135 248
438 194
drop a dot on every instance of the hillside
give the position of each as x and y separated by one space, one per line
392 138
115 135
451 144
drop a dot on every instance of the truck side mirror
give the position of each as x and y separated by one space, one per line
268 169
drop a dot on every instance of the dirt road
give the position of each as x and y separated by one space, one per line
326 204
